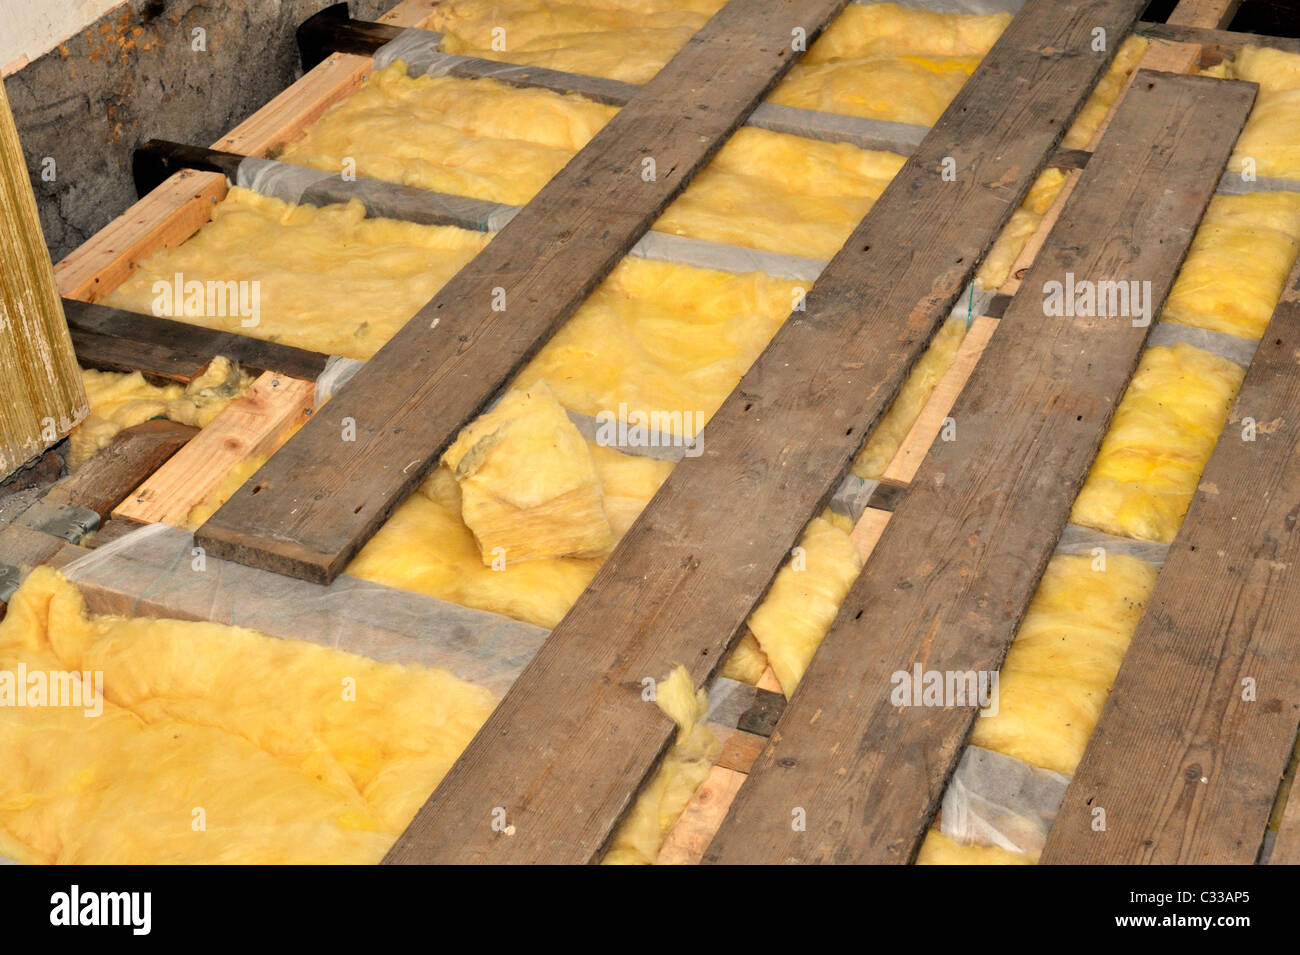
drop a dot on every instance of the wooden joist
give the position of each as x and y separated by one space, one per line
254 425
954 570
111 339
320 498
682 582
1185 760
1218 43
1214 14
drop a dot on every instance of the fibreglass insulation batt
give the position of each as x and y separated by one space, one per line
491 141
881 61
1061 665
793 618
215 743
1159 441
330 279
1269 139
1237 263
41 397
628 40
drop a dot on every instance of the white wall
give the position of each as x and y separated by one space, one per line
31 28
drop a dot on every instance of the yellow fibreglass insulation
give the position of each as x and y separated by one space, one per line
1060 667
426 547
628 40
655 335
1269 138
491 141
331 280
938 849
880 60
215 743
1159 441
883 61
684 767
1024 222
120 401
746 662
887 438
805 596
1104 94
1237 262
528 485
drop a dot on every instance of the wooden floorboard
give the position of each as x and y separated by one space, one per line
956 566
321 498
1196 734
682 582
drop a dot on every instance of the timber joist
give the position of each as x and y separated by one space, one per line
955 537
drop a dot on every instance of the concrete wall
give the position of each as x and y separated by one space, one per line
135 74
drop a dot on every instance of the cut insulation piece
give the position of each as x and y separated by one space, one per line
41 396
120 401
426 547
1238 261
685 766
792 620
938 849
529 488
1269 145
215 744
1064 659
1160 439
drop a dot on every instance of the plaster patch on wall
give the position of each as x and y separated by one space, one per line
33 29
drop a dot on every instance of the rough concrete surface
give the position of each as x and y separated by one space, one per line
134 75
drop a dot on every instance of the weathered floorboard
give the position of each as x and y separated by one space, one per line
1194 738
955 568
565 752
